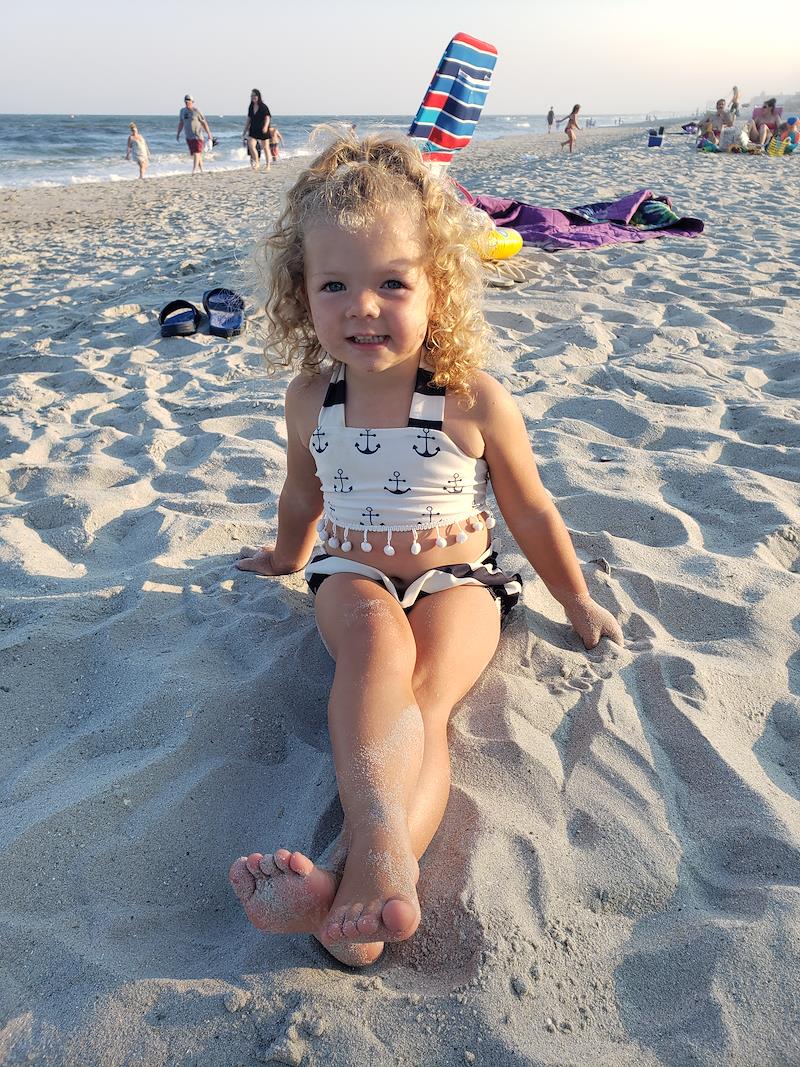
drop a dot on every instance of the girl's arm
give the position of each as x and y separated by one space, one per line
300 504
531 515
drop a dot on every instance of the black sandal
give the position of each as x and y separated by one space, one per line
179 319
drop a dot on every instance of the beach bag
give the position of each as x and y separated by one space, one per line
775 146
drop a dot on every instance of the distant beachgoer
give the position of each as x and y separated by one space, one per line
275 141
137 148
733 106
791 133
569 130
718 119
550 119
759 130
256 129
194 123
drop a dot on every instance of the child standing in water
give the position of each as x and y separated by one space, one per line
137 147
393 430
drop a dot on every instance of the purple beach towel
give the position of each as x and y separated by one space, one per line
591 225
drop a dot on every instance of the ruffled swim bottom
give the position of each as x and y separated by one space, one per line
505 588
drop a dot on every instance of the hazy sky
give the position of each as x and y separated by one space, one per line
357 56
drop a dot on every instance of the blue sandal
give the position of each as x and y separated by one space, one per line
179 319
225 310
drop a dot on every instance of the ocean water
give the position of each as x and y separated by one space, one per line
41 150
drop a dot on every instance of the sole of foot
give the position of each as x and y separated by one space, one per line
283 892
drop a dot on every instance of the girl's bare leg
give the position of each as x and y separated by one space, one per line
251 151
455 634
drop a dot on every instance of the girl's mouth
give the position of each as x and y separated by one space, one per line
369 339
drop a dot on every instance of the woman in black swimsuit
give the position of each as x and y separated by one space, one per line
256 128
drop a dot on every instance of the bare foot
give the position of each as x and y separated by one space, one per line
283 893
377 896
256 559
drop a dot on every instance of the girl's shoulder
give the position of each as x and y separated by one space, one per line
489 394
304 396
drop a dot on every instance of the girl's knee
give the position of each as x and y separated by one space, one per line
365 624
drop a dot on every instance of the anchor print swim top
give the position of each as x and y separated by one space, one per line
383 481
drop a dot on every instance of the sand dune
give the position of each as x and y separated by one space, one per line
617 879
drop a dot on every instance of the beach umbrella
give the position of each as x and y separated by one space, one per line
451 107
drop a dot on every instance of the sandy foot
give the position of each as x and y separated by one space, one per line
255 559
286 893
283 892
377 895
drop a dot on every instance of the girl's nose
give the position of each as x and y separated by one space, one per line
363 304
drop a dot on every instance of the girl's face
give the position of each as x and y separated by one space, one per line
368 292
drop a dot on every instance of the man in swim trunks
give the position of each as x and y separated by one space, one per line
194 122
718 119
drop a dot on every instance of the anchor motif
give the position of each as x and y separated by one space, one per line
319 434
430 514
454 482
425 438
370 514
367 451
341 478
397 491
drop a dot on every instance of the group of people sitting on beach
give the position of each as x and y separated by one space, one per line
260 135
764 131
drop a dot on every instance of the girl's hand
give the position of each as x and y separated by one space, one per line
590 621
263 561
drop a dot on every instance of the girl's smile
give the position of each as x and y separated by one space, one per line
368 291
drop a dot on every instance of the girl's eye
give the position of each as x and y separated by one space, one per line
393 283
333 287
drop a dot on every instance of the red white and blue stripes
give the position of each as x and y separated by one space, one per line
451 107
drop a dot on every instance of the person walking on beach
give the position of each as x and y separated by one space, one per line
733 106
137 148
256 129
569 130
275 141
194 123
393 431
550 119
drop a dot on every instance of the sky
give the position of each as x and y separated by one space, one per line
369 57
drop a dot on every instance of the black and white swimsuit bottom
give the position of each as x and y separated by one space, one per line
505 588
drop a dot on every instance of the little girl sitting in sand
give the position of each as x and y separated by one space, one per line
393 431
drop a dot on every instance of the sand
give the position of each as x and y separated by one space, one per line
617 878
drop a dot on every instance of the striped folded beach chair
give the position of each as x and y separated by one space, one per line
451 107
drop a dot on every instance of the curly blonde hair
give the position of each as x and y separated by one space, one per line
351 184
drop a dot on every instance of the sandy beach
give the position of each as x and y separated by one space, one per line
617 878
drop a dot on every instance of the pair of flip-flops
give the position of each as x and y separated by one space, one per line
225 310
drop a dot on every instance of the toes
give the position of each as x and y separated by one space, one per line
300 864
352 915
400 918
369 921
253 861
333 924
244 884
281 859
